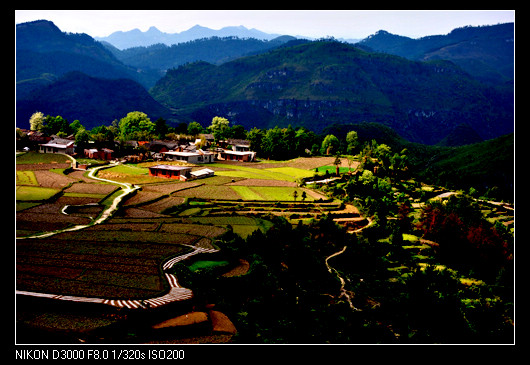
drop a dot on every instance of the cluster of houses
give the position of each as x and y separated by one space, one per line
190 152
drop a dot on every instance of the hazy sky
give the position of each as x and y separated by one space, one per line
310 23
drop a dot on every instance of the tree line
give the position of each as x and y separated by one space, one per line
274 143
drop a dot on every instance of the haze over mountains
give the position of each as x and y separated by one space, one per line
137 38
446 82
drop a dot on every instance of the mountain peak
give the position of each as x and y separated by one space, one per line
135 37
153 29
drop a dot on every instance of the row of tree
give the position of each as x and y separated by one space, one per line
274 143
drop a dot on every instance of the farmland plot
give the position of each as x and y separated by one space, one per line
92 268
119 260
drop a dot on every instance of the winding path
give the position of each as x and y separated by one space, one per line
343 291
126 190
176 292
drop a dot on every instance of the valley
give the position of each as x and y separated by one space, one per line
268 190
131 271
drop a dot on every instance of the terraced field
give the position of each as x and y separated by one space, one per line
113 261
122 257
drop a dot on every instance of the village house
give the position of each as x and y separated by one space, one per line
101 154
171 171
200 174
236 150
199 156
58 145
162 146
244 156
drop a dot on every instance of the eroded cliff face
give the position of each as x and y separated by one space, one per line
319 84
417 125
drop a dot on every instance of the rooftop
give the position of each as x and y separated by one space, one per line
171 167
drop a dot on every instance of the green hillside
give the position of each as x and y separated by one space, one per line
487 167
320 83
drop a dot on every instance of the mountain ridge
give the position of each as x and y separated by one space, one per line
136 38
320 83
93 101
486 52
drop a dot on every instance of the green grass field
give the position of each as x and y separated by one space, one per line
26 177
247 193
275 173
34 193
128 169
36 157
333 169
271 193
203 264
131 174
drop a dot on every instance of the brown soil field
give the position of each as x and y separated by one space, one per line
221 323
162 204
28 223
42 166
79 175
137 227
85 188
49 179
139 213
48 217
239 270
94 263
141 197
183 320
193 229
169 188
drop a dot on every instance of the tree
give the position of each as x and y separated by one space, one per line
54 125
237 132
75 126
273 145
194 129
337 163
330 145
304 140
295 195
352 141
161 128
255 137
36 121
219 127
350 160
81 138
136 125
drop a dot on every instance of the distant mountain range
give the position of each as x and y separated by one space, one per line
284 80
161 57
137 38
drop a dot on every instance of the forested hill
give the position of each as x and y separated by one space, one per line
216 50
93 101
45 53
316 84
485 52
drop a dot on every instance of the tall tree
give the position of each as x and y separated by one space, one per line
136 125
194 129
352 141
219 128
36 121
330 145
161 128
